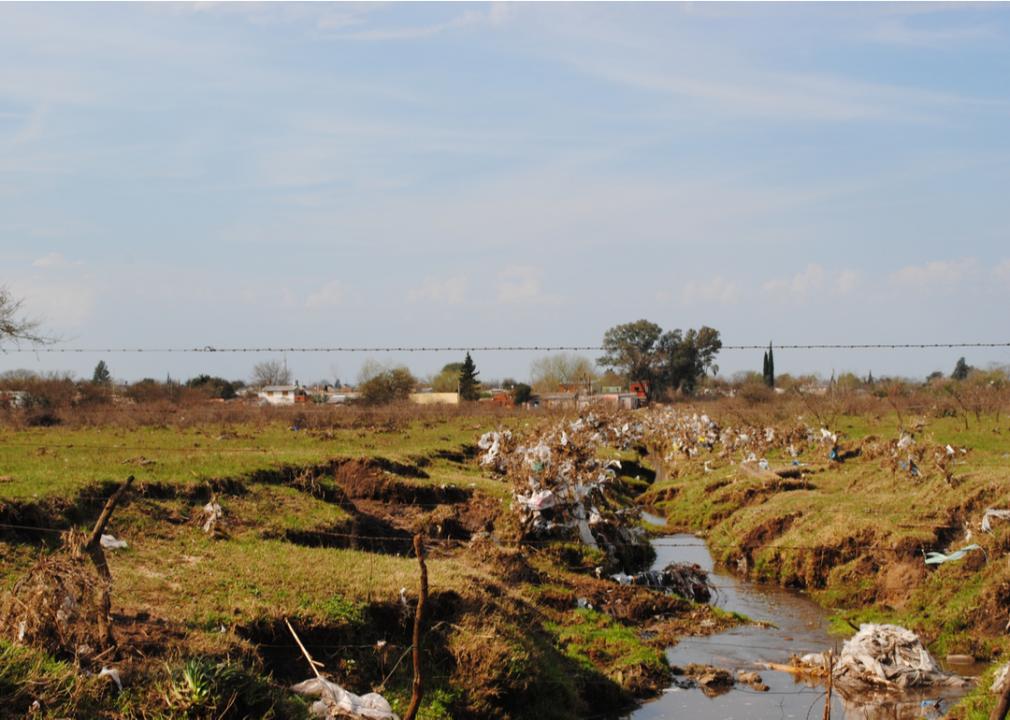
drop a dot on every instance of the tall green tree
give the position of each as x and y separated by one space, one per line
469 385
101 375
633 349
770 375
961 370
674 360
764 368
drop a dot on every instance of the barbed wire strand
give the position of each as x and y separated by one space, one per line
486 348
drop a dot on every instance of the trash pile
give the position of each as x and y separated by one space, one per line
672 435
561 486
688 580
335 702
887 657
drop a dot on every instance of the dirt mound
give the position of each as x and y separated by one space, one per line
367 479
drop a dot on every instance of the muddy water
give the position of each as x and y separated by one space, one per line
800 626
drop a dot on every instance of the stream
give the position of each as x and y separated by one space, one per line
800 627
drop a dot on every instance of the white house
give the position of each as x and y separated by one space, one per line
282 395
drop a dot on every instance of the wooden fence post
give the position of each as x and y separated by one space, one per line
418 689
93 547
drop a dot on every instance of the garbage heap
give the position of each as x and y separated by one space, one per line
673 435
885 657
563 490
688 580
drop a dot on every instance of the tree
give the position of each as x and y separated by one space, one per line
764 368
686 357
14 326
549 373
674 360
521 394
271 372
770 369
632 349
447 379
101 375
961 370
387 385
469 385
215 387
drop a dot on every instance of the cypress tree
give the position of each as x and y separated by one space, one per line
764 368
101 376
771 367
469 386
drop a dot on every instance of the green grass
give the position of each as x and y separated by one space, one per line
46 462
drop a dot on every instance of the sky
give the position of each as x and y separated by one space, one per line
185 175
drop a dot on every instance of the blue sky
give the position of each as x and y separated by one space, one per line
471 174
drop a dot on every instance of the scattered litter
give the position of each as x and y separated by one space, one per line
335 702
213 514
114 674
111 543
993 514
1000 679
937 558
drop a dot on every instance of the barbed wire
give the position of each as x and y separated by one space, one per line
488 348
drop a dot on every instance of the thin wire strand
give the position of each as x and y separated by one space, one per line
489 348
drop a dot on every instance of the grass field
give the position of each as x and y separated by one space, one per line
316 528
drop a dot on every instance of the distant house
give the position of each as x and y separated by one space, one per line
559 400
501 398
283 395
623 400
14 398
640 388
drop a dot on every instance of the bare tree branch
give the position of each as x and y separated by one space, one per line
15 326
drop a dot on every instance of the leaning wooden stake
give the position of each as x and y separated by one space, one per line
418 689
831 674
999 712
93 547
314 664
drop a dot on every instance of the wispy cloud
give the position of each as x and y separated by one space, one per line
716 289
447 291
899 32
935 275
522 284
495 15
331 294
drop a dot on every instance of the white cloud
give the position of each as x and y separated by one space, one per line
449 291
49 260
329 295
900 33
943 274
717 290
521 284
812 281
809 280
846 282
